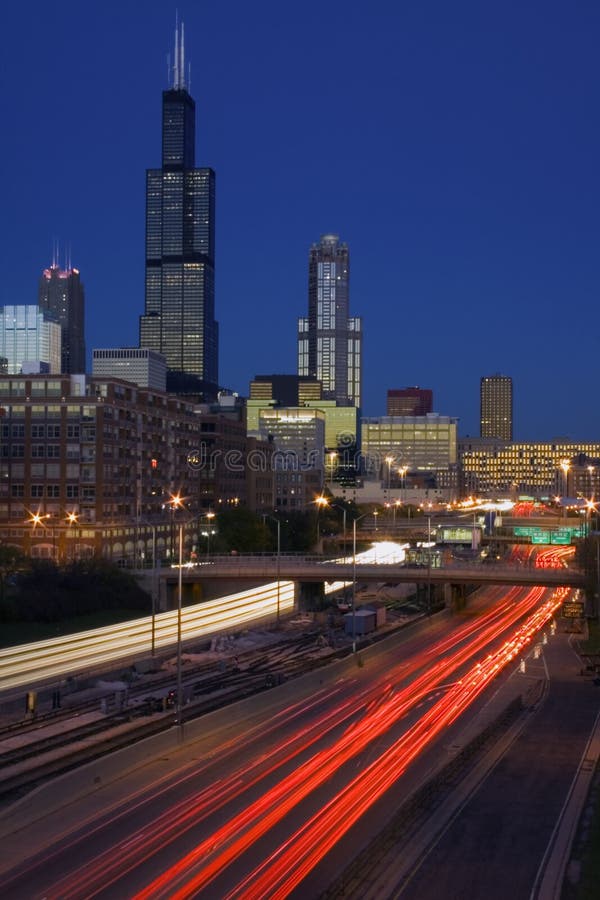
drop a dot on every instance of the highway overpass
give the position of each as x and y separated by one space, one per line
317 569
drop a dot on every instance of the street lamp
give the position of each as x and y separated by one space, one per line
354 521
429 563
565 466
210 516
176 502
390 461
320 502
332 459
344 514
154 591
72 518
589 506
38 519
274 519
402 473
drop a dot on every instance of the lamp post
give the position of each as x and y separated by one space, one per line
390 461
266 516
179 712
402 473
332 459
72 518
320 502
38 519
354 521
210 516
589 507
344 515
176 502
565 466
428 564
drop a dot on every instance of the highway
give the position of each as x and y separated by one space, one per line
278 800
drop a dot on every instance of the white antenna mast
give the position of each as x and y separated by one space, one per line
182 62
176 66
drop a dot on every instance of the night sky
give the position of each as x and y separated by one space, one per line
454 146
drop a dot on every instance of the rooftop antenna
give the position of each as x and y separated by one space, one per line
54 252
176 66
168 68
182 61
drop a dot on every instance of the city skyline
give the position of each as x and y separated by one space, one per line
459 167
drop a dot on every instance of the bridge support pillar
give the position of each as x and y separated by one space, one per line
455 596
311 595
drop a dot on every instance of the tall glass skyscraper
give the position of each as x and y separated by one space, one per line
29 336
179 319
329 340
496 407
61 295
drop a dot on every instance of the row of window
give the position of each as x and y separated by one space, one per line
52 491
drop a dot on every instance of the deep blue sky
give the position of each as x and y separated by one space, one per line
454 146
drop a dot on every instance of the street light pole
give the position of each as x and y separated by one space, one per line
154 592
354 586
354 521
389 460
278 570
179 660
278 523
428 564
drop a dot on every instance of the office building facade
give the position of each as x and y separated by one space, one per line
179 318
329 339
496 407
143 367
30 339
61 295
400 448
410 401
494 468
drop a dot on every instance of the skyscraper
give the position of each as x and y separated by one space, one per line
179 319
496 407
329 340
61 295
29 339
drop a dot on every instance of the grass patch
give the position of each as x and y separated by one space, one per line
13 633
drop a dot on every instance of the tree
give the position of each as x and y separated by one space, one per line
240 530
12 561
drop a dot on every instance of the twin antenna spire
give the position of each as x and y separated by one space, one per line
56 254
179 80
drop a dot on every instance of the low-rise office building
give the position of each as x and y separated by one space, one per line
491 467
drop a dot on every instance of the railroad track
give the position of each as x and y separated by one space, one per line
28 763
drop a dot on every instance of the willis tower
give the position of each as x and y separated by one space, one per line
179 319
